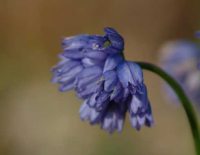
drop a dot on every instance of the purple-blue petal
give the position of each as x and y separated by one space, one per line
82 83
73 54
88 62
116 40
129 73
90 71
112 62
67 86
75 42
139 100
140 110
118 90
96 55
71 73
111 80
88 90
136 71
88 114
65 67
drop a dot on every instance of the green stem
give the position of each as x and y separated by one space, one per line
187 105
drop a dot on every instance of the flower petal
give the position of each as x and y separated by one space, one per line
90 71
66 86
70 74
136 70
65 67
88 62
96 55
112 62
139 101
129 73
110 78
117 91
88 114
140 110
116 40
75 42
89 90
73 54
82 83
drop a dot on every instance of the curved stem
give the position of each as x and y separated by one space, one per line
187 105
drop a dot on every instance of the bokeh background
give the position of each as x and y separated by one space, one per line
36 119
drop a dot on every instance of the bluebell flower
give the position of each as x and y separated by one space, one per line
110 86
180 59
197 34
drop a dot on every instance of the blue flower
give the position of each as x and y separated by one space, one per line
110 86
180 59
197 34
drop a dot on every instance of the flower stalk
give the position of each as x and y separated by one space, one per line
187 105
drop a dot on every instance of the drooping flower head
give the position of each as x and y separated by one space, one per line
94 66
180 59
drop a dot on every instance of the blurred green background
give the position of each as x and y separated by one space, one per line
36 119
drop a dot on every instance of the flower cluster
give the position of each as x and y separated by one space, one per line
180 59
94 66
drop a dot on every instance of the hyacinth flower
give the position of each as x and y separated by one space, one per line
180 59
197 34
109 85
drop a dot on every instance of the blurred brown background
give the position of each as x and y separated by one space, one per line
36 119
